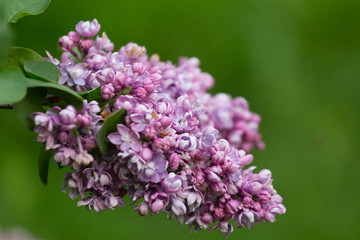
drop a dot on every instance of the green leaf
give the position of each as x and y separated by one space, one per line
68 95
16 9
12 85
94 94
31 103
108 127
19 56
44 164
42 70
5 33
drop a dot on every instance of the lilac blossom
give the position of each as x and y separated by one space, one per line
178 150
125 139
88 29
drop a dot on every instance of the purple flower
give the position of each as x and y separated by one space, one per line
187 142
66 43
84 158
64 155
174 161
207 137
104 43
181 119
178 150
155 169
112 201
172 183
226 228
125 139
93 202
88 29
178 207
85 45
158 201
133 51
97 176
68 115
73 74
107 91
246 218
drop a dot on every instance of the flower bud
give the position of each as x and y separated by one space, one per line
161 143
96 61
84 158
264 176
247 201
253 187
174 161
88 29
84 120
139 68
107 91
63 137
66 43
93 107
140 92
119 81
85 44
149 85
157 206
219 212
213 174
105 179
146 154
143 209
172 183
165 121
150 132
219 187
67 115
74 36
89 143
207 218
232 206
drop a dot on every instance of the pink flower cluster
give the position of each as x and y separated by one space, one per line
178 150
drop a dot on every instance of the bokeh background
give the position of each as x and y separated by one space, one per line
296 62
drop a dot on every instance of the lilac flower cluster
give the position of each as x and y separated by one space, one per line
176 150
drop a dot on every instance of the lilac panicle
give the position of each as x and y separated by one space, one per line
178 150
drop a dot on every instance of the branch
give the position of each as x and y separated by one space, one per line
6 106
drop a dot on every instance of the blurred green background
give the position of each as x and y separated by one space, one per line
296 62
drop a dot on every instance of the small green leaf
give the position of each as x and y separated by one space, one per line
94 94
12 85
68 95
108 127
42 70
44 164
19 56
16 9
31 103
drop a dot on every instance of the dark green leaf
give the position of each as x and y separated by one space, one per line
16 9
94 94
31 103
42 70
68 95
12 85
44 164
108 127
19 56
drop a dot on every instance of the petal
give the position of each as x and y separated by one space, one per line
115 138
